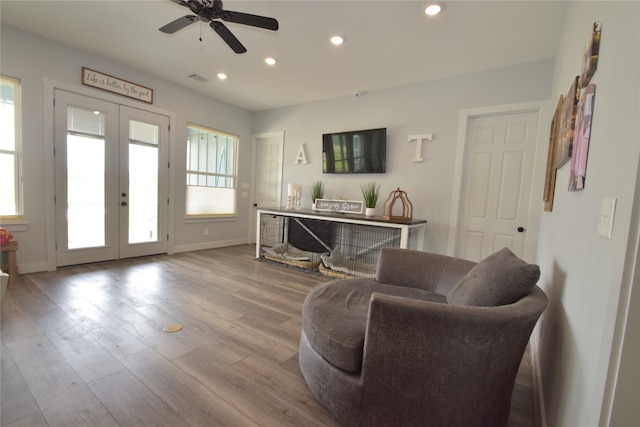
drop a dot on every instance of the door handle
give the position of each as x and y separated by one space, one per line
521 229
124 194
123 204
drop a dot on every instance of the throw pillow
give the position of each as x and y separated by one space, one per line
501 278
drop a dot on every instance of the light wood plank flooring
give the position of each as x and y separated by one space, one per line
84 345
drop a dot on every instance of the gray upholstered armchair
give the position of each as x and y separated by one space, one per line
432 341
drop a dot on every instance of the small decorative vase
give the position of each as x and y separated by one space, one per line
370 211
313 206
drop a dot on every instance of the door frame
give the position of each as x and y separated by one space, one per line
543 109
49 87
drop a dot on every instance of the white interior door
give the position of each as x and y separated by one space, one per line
110 180
267 180
497 184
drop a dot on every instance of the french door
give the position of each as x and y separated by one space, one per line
111 175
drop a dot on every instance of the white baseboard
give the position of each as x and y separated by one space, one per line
37 267
539 413
32 267
209 245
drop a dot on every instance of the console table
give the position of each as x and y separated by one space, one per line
349 242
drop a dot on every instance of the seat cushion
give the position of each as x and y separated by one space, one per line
501 278
334 317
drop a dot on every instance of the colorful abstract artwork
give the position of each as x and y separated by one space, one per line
582 135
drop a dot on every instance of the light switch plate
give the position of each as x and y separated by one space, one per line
605 220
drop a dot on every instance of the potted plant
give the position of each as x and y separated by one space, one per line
317 192
370 193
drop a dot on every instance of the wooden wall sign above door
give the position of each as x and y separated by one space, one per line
116 85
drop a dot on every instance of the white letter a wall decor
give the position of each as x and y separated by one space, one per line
301 159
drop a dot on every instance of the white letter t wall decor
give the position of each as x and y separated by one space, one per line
419 139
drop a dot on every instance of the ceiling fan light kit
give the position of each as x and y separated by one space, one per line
212 11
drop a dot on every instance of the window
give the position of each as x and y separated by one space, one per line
211 172
10 161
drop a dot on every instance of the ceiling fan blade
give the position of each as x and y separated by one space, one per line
227 36
178 24
249 19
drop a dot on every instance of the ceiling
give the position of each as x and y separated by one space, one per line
387 43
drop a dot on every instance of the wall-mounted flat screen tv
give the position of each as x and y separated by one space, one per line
359 151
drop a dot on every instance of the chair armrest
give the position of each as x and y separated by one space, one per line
469 356
405 327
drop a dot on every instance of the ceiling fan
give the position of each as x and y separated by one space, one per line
211 10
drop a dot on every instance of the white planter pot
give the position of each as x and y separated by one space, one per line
370 211
313 206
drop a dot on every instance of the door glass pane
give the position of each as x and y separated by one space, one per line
86 207
143 182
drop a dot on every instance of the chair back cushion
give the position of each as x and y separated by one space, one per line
417 269
501 278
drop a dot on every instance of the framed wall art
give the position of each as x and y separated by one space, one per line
578 171
591 52
567 123
550 176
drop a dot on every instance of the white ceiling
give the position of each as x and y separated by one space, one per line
387 43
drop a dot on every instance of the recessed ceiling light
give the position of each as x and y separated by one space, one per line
432 9
270 61
222 76
337 40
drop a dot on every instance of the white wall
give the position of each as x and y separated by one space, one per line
589 278
430 107
33 59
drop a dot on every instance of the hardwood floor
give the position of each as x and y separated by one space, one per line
85 345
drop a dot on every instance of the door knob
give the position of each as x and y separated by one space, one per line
123 204
124 194
520 229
